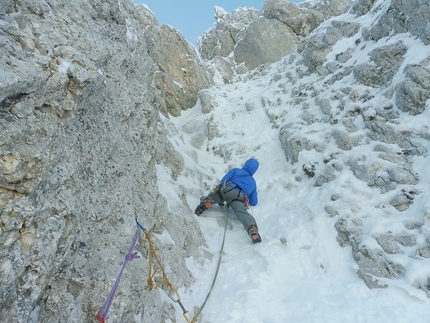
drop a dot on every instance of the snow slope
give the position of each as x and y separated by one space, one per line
299 273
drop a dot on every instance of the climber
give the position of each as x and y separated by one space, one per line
238 189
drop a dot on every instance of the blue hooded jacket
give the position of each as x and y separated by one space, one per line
242 177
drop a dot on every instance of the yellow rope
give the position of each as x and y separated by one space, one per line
172 292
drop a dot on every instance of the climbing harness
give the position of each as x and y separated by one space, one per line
236 187
101 317
172 293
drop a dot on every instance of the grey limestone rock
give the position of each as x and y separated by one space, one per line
82 86
413 93
407 240
207 101
388 243
265 41
225 69
361 169
257 38
333 8
362 7
304 17
292 145
385 132
403 200
79 142
301 20
324 104
367 116
373 263
384 63
181 73
331 211
346 142
221 39
315 47
401 17
424 252
326 175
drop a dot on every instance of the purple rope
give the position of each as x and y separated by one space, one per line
129 257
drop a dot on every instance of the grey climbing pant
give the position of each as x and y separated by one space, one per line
235 199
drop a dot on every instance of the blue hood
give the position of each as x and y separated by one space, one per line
251 166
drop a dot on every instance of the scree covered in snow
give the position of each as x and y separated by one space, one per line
299 273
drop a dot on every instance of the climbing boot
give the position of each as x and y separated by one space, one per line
206 204
253 232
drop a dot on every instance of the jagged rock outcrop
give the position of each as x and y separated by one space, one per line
228 29
383 64
316 47
402 16
79 141
413 93
254 38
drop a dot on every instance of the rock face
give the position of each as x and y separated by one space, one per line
80 89
181 73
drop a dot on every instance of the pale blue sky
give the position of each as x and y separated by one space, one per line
193 17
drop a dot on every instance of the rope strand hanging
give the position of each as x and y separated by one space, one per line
216 271
172 292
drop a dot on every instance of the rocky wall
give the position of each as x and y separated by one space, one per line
79 141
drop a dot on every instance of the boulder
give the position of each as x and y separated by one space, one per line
301 21
265 41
